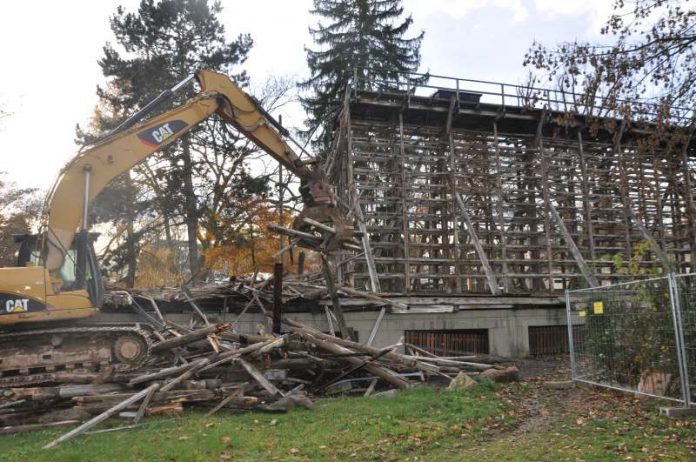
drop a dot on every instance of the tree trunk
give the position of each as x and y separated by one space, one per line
191 211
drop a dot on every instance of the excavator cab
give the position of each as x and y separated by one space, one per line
76 288
80 270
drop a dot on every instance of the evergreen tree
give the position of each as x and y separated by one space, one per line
161 43
363 36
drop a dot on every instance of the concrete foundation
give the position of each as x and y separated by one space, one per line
507 328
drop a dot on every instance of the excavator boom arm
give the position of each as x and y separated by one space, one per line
90 171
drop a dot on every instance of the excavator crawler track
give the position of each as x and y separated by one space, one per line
36 356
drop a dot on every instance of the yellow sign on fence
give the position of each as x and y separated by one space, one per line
598 307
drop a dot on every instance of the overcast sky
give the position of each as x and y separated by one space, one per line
50 49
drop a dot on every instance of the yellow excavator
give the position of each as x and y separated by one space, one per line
58 282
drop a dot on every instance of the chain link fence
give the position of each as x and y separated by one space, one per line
637 336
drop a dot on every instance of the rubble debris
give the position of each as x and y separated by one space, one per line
212 366
217 368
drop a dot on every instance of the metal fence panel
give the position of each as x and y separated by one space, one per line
686 287
630 336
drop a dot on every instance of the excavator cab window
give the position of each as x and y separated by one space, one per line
68 272
27 249
80 269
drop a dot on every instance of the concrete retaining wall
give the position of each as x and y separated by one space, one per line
507 328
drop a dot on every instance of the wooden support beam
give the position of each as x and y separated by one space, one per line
277 296
539 142
490 276
456 255
659 251
499 212
587 206
582 264
623 186
404 207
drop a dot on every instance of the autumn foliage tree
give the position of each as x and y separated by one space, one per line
250 247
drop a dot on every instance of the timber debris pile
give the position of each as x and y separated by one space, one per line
212 366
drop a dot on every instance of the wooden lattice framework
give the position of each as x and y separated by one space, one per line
458 195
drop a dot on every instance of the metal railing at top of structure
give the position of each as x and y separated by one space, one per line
505 95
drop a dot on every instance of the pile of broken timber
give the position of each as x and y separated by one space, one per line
242 294
212 368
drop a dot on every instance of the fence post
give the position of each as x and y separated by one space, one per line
571 343
679 338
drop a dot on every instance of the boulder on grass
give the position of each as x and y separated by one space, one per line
462 382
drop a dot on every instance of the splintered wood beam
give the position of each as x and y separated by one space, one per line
195 307
103 416
277 296
369 257
490 277
258 376
582 264
235 394
335 302
375 328
383 373
143 406
191 337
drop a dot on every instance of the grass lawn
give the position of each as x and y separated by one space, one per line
516 422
